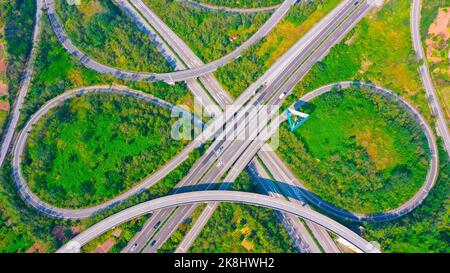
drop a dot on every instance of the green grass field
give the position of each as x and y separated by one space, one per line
96 147
359 150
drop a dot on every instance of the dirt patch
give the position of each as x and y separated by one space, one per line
247 244
4 106
441 24
36 248
2 66
438 35
105 247
3 89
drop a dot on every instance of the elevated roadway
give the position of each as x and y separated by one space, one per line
344 18
101 227
406 207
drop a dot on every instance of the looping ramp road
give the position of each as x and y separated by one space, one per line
409 205
30 198
177 76
223 196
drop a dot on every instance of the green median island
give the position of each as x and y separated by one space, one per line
94 147
243 4
359 150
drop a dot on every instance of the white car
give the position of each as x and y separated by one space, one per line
219 163
133 247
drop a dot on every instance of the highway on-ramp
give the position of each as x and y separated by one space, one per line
406 207
206 170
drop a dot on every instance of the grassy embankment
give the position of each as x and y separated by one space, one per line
94 147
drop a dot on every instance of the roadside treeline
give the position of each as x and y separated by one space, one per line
426 229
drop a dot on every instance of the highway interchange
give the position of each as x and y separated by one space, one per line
235 154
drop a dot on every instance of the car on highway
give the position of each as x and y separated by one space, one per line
219 150
133 247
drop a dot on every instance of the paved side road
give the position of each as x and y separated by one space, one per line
101 227
433 99
15 114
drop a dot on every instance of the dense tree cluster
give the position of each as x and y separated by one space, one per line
18 16
426 228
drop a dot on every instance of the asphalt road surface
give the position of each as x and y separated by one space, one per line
101 227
